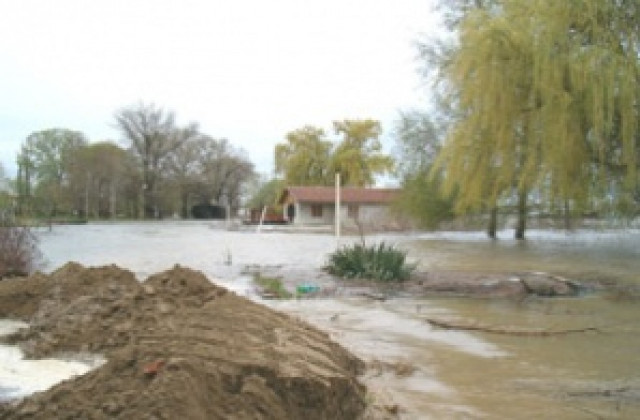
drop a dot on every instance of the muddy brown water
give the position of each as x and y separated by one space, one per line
430 373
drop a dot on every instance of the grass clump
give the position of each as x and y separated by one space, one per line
380 262
271 287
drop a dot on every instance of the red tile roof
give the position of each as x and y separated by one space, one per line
347 195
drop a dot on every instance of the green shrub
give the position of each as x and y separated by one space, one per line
378 262
272 287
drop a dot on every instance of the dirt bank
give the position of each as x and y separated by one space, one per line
176 346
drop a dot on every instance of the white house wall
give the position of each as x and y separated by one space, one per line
369 215
304 217
372 215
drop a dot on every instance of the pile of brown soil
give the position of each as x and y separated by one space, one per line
176 346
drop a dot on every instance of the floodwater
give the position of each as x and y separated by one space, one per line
429 372
20 377
605 253
595 374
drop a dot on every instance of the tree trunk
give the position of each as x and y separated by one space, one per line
87 189
567 215
184 205
493 222
142 203
112 200
522 214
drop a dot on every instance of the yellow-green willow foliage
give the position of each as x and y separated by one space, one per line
358 156
305 157
546 94
308 158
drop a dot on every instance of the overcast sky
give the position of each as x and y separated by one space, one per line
249 71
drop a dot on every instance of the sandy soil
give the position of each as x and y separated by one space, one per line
176 346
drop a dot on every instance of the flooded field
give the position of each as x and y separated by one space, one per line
609 254
581 375
429 372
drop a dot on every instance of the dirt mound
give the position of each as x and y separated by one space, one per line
178 346
20 297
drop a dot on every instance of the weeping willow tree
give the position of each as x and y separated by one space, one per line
358 156
304 158
546 95
588 82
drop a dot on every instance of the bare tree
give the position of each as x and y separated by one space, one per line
185 170
207 171
152 136
225 170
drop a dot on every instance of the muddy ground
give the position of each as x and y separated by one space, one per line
511 285
177 346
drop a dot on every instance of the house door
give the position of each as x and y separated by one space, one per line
291 212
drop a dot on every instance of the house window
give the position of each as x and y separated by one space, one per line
316 210
353 210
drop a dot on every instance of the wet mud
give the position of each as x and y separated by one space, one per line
434 283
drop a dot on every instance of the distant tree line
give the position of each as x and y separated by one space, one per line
160 169
536 111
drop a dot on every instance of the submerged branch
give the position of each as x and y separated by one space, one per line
448 325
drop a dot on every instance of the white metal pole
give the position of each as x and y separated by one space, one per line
337 217
261 221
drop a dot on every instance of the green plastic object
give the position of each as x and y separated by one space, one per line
307 288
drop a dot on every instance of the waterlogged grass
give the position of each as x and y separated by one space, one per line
272 287
380 262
